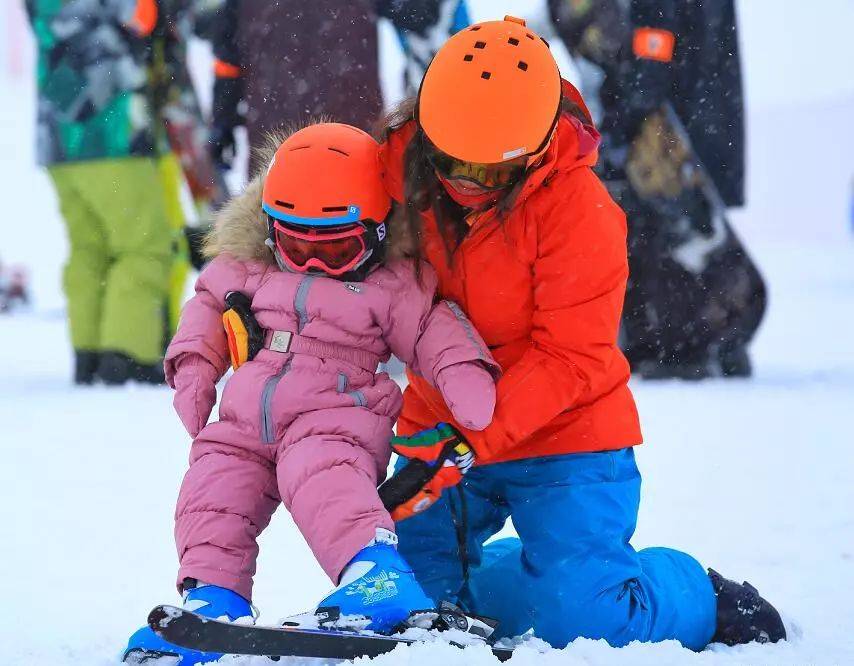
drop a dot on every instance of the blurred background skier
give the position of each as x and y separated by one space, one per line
670 93
100 136
327 67
14 289
422 27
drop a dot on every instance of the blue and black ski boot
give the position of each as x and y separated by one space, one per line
208 600
378 592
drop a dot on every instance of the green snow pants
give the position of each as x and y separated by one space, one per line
121 219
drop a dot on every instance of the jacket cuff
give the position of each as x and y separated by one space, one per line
490 443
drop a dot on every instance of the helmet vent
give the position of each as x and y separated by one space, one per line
513 41
485 75
480 45
334 209
338 150
474 28
529 35
523 66
284 204
468 57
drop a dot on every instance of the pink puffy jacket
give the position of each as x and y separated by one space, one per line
307 429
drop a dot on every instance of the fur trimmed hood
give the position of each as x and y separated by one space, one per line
240 227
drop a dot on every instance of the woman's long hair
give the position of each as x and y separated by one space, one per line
422 190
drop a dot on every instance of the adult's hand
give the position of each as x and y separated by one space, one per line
438 459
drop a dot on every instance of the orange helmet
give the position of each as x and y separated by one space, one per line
324 175
325 202
491 94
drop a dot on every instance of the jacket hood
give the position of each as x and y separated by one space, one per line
240 227
575 144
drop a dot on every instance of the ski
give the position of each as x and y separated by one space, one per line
193 631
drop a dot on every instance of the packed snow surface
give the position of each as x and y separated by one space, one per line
754 478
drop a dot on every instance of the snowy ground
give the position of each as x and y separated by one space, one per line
755 478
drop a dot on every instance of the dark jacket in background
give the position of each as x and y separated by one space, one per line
702 81
694 298
291 61
296 60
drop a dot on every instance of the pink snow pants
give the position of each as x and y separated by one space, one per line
323 458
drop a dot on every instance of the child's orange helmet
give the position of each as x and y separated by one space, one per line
491 94
325 202
326 174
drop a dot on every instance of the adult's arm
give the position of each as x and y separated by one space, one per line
580 275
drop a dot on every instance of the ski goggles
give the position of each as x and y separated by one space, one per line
494 176
334 251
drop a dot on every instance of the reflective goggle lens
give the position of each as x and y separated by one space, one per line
333 252
489 176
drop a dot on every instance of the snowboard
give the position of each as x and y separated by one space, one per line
694 293
185 126
196 632
184 122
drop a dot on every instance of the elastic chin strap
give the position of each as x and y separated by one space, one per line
474 201
272 247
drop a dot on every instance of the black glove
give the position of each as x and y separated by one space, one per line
222 146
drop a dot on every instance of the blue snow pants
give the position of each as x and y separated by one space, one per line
572 572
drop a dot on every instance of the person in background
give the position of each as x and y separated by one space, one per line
99 135
14 289
327 67
668 81
422 27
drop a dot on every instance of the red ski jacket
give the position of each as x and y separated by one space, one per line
544 286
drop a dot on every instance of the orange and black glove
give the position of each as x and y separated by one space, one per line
438 459
243 332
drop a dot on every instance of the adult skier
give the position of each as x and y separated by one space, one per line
493 161
102 140
327 67
669 86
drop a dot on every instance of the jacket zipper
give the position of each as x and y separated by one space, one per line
267 426
267 429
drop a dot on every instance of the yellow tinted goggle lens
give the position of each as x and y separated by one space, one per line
488 175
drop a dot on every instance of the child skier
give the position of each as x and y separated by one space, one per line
308 421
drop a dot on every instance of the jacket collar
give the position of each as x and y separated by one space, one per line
575 144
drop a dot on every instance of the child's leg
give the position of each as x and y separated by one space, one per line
430 543
227 498
328 467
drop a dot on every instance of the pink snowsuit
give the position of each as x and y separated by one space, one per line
307 430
